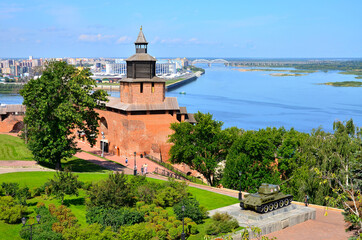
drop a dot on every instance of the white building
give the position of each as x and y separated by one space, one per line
164 67
116 68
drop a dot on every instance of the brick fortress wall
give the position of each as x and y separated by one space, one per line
143 134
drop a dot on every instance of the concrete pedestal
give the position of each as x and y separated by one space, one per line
268 222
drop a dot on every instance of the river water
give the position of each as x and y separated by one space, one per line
253 100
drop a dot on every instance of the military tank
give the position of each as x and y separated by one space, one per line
268 198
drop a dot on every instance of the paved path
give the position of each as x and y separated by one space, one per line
8 166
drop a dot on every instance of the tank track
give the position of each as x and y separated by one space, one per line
271 206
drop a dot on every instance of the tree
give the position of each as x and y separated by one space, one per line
64 183
345 179
57 103
114 192
201 146
253 154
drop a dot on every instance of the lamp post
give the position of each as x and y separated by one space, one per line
135 165
183 225
23 220
240 195
102 143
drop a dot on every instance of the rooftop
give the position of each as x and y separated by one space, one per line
170 103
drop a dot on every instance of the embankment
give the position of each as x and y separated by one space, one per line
180 83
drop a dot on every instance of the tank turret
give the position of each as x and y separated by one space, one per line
267 199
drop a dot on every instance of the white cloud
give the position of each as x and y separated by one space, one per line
123 39
94 37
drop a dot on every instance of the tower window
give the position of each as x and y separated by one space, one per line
141 88
153 88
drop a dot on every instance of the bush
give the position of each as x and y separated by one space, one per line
92 232
114 192
10 189
172 193
64 183
193 210
146 193
141 231
221 223
10 212
22 195
65 218
44 229
113 218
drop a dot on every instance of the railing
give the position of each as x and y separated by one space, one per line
173 170
165 173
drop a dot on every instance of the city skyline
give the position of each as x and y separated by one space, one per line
239 29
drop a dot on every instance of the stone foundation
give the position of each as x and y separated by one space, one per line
268 222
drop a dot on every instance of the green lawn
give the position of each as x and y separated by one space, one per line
13 148
35 179
78 165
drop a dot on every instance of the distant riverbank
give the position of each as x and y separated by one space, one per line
344 84
170 84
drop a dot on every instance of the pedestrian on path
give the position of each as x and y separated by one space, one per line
145 168
142 170
306 200
126 162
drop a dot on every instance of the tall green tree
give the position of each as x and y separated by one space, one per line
201 146
59 102
64 183
253 154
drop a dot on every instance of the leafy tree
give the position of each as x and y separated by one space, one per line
64 183
114 192
253 154
193 210
345 180
57 103
201 146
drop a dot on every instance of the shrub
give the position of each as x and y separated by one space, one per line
141 231
10 189
92 232
10 212
65 218
22 195
221 223
44 229
193 210
113 218
64 183
114 192
146 193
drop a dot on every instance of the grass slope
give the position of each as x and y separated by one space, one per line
13 148
35 179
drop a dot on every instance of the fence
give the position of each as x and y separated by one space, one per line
173 171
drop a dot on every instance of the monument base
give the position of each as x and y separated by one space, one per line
268 222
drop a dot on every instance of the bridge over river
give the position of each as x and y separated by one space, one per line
210 62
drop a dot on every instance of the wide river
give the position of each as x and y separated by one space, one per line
254 99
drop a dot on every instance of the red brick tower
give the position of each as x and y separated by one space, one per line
141 85
139 121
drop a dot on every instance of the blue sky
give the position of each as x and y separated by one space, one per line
252 29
